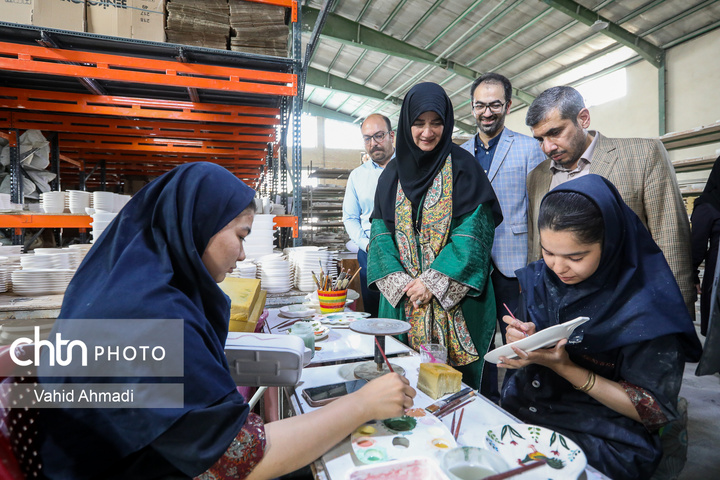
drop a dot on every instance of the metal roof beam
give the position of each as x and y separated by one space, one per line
333 82
347 32
319 111
645 49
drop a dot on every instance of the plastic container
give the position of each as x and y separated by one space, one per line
433 353
259 359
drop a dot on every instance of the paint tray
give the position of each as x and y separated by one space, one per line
259 359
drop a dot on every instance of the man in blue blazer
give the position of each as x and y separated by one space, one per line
507 157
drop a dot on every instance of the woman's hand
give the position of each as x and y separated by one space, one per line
385 397
418 293
554 358
517 330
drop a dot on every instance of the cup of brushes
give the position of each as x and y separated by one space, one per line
332 294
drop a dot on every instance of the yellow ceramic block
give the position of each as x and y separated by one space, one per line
438 379
243 293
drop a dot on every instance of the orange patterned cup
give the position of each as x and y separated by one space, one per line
332 301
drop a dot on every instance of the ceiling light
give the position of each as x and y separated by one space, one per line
599 25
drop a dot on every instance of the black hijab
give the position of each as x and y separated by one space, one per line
416 169
631 297
711 192
148 265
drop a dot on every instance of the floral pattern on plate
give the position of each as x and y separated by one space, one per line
521 443
340 318
321 331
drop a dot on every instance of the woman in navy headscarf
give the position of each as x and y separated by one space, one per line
616 381
162 258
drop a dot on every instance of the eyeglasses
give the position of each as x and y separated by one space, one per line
379 137
494 107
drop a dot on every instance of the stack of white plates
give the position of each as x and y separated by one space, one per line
61 257
82 249
260 242
104 202
101 220
274 274
306 260
52 202
32 261
4 274
244 269
78 201
11 262
41 281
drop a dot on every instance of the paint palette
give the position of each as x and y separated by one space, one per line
340 318
416 434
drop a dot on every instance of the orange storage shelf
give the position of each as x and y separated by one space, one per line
44 220
289 221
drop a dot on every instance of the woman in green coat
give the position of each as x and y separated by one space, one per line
432 232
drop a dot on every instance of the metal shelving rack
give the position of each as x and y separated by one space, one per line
115 106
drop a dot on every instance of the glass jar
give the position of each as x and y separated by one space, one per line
305 331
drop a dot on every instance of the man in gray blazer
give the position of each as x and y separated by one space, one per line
506 157
638 167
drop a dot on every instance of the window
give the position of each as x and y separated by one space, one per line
343 135
308 132
604 89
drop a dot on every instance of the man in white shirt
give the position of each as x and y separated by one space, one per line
360 195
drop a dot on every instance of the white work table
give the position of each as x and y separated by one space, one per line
342 344
336 464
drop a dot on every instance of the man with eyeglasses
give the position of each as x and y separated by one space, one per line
506 157
638 167
360 195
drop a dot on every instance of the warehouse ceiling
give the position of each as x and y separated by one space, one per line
371 52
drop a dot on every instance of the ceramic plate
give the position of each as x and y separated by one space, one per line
521 443
297 311
340 318
544 338
417 434
321 331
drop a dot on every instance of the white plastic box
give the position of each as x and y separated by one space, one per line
258 359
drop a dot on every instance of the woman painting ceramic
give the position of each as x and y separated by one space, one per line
615 383
162 258
432 233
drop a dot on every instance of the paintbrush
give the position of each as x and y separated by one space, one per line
457 429
513 316
518 470
315 280
471 399
441 403
383 355
453 402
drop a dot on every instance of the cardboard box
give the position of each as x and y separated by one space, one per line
138 19
63 14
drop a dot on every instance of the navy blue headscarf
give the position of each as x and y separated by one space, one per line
632 297
148 265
